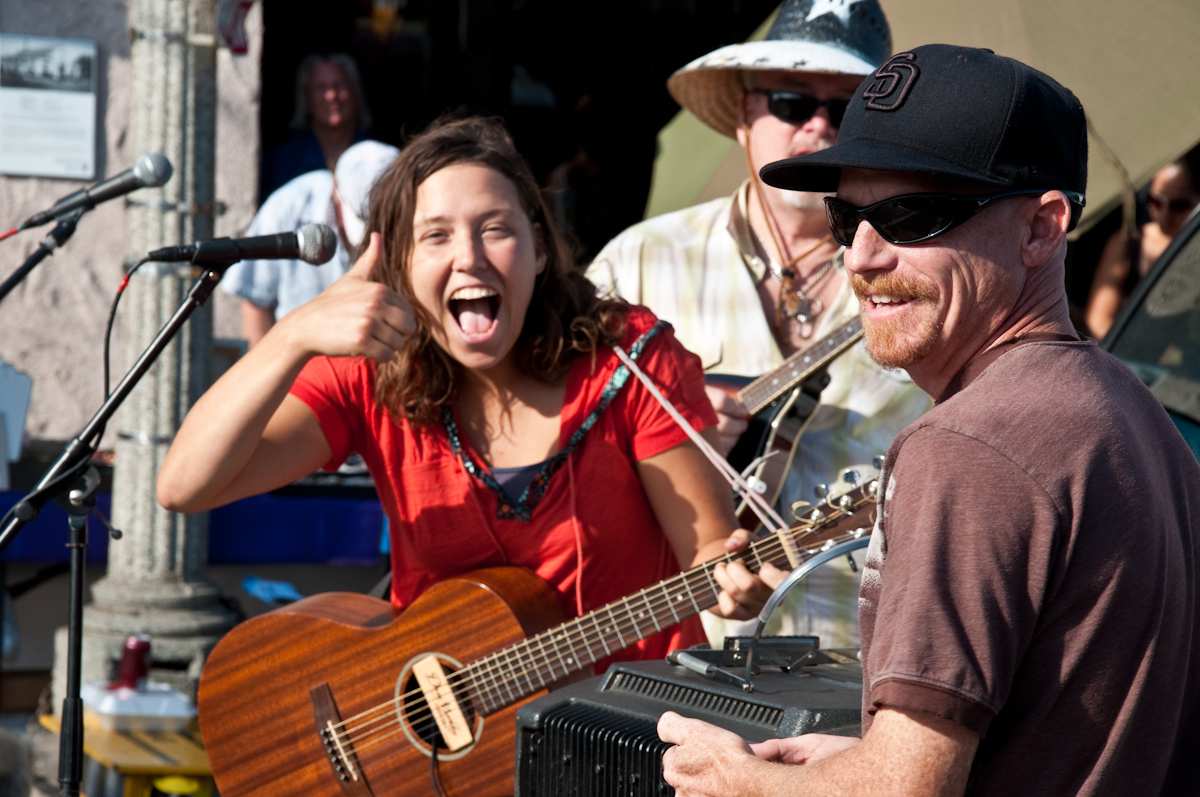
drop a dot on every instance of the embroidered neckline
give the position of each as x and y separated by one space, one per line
522 508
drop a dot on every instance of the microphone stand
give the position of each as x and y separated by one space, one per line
57 482
57 237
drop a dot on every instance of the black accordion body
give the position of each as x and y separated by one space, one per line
598 737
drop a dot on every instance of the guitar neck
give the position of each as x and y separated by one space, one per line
800 366
508 675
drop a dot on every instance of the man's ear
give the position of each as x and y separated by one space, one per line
1046 223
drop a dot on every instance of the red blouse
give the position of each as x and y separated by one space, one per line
446 522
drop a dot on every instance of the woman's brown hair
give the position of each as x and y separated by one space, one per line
565 318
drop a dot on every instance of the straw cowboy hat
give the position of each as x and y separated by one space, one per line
840 37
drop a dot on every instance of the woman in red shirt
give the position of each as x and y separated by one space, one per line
470 363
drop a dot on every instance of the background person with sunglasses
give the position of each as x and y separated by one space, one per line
749 279
1030 603
1172 196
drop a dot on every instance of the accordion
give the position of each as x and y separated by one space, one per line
598 737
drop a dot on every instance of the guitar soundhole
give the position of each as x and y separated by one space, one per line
419 718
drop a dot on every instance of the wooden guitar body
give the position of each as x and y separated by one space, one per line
273 683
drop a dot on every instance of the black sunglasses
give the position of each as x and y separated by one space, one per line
1176 205
796 109
910 218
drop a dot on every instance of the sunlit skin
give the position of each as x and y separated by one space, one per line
472 236
930 308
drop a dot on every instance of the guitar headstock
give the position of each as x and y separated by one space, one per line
849 499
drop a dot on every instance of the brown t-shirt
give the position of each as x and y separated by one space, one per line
1033 575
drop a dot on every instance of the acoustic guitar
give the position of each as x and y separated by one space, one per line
338 694
779 409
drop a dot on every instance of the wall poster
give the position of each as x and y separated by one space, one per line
47 106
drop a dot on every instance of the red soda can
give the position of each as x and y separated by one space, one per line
135 662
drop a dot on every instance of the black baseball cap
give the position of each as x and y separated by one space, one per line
958 112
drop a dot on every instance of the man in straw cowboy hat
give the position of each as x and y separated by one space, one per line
1031 601
749 279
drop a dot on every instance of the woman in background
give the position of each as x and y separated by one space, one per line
1171 198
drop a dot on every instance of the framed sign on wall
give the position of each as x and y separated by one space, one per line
47 106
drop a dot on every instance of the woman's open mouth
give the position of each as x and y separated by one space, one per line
475 310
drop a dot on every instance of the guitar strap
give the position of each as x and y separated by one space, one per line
522 508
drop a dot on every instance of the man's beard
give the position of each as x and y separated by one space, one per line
899 342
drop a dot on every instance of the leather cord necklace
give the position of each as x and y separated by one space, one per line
796 299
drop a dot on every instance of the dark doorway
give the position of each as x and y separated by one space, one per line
581 85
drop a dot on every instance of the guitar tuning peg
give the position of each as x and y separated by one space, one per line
799 509
877 461
850 477
845 503
820 491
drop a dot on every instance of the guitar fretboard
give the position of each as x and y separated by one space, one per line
508 675
800 366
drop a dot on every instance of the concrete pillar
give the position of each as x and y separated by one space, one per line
155 582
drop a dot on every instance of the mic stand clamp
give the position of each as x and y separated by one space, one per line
56 238
794 578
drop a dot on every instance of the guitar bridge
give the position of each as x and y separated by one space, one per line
338 749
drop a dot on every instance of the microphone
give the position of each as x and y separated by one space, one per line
312 243
150 170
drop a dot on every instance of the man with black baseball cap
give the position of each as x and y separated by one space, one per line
1029 609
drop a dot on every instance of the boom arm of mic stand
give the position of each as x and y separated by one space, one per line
794 578
80 449
57 237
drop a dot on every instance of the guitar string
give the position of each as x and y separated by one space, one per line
497 674
488 688
487 675
493 694
419 723
765 389
422 721
702 569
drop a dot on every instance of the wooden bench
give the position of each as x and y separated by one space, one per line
127 763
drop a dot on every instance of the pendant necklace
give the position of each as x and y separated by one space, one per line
795 295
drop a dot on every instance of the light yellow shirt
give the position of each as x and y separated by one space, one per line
698 269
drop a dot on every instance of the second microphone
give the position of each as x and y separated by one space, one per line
312 243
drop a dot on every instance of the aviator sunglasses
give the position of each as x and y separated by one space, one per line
796 108
911 218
